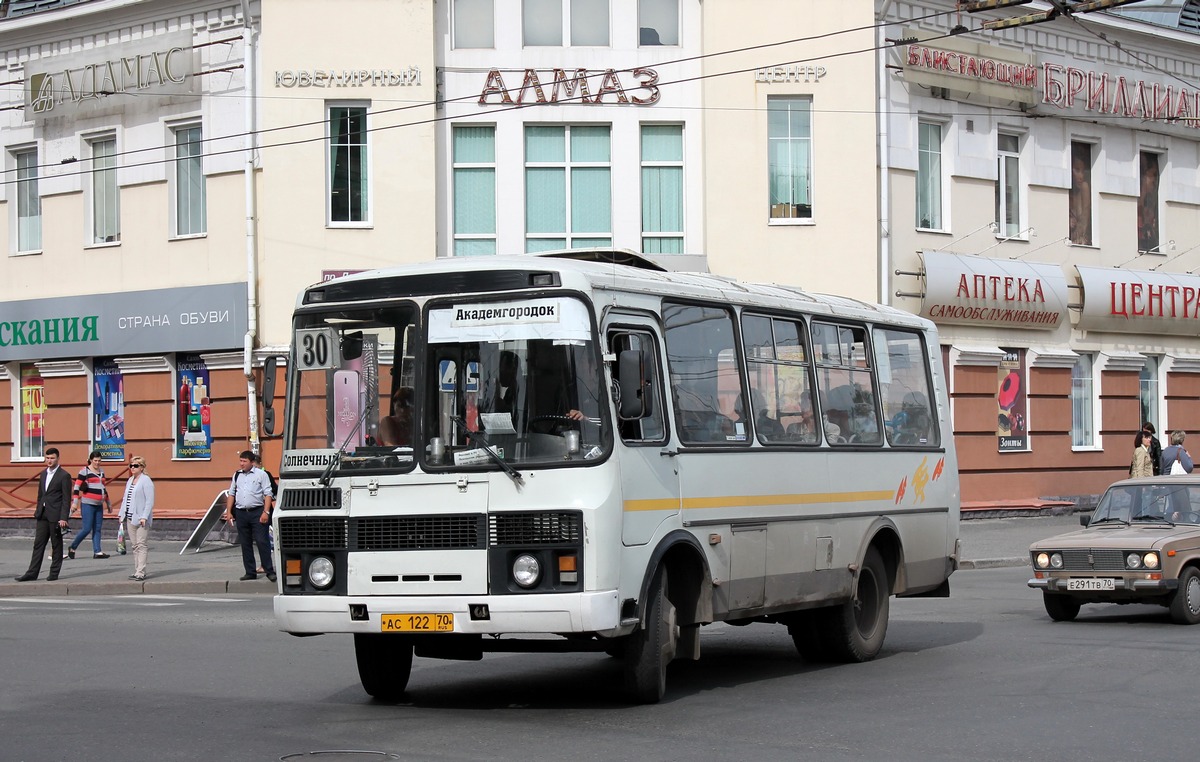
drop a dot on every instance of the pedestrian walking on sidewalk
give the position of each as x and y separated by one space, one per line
50 517
248 503
137 513
1143 464
1175 459
1155 447
92 498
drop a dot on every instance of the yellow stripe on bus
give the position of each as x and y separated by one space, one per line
742 501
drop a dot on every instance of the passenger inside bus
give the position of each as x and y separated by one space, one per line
767 428
396 429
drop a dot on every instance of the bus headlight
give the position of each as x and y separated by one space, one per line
526 570
320 572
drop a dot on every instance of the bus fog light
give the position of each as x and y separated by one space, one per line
320 572
526 570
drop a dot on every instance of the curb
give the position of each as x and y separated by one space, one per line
994 563
132 587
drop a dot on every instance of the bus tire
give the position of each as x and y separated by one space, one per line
649 650
1061 608
805 629
854 631
384 664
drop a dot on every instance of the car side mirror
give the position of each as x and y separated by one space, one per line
1085 519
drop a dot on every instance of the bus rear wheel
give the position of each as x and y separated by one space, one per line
384 664
854 631
649 650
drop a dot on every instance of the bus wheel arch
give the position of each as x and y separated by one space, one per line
691 588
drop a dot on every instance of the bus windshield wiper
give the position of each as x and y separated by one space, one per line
327 476
513 473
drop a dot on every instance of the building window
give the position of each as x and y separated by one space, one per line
106 206
549 22
1079 214
348 164
568 187
474 158
1147 210
929 176
29 203
658 22
789 138
33 412
1008 186
1148 393
662 189
474 24
1083 395
190 206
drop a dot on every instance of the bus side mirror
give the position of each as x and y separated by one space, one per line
633 385
352 346
270 371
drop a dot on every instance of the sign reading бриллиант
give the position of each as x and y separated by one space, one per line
195 319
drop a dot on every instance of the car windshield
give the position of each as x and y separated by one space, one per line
522 378
1128 503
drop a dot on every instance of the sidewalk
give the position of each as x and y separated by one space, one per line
213 570
986 544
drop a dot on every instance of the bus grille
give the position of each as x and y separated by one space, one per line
294 497
462 532
317 533
540 528
1094 560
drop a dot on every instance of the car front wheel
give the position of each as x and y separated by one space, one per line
1061 608
1185 606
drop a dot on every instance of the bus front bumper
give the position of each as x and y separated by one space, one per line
594 612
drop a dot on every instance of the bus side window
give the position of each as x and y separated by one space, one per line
649 428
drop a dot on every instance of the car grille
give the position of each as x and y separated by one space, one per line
419 533
450 532
312 532
540 528
1093 560
302 498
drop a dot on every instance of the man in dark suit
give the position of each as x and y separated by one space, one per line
50 516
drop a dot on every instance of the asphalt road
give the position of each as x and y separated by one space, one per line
983 675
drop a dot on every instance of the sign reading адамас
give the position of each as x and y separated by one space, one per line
191 319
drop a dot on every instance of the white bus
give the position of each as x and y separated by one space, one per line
580 451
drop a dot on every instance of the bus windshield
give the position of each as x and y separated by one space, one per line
521 378
352 391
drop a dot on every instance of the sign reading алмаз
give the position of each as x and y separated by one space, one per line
194 319
971 290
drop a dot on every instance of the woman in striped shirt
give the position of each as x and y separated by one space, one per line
92 498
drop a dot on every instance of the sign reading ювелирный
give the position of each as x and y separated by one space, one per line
192 319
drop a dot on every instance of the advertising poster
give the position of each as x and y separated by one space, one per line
1011 433
193 424
108 410
33 412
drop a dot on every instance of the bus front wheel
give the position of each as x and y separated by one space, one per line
384 664
854 631
649 650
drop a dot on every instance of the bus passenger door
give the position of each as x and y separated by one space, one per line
649 477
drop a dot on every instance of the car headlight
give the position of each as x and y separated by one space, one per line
1150 560
1133 561
320 572
1056 560
526 570
1042 560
